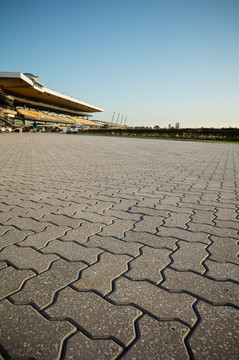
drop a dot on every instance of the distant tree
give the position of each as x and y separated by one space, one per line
156 127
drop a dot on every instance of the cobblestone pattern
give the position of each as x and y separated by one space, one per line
115 248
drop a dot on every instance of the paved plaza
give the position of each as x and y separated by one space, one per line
118 248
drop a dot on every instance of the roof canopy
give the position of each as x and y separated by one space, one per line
26 88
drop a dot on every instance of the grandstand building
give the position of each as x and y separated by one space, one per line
25 101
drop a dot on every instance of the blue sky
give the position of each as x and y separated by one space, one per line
158 62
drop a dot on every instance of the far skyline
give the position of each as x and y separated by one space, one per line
156 62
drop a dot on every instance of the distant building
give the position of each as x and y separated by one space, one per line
169 126
177 125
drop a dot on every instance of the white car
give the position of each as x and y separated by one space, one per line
8 129
2 128
72 130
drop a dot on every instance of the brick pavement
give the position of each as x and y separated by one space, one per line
116 248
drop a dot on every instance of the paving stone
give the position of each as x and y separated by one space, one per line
177 220
149 224
159 340
203 217
97 316
124 205
148 211
150 239
216 336
124 215
217 292
224 249
182 234
27 258
214 230
71 251
190 256
149 265
227 224
24 330
150 298
222 271
81 347
72 210
11 280
118 228
60 220
41 289
95 218
6 215
41 239
82 233
226 214
100 206
39 213
169 200
113 245
12 236
100 275
25 224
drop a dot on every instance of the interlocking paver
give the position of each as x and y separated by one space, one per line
86 307
23 333
203 217
25 224
149 224
81 347
100 275
149 265
11 280
118 228
182 234
159 340
41 289
27 258
82 233
71 251
113 245
216 336
150 240
177 220
60 220
164 305
222 271
190 256
217 292
12 236
40 239
214 230
224 249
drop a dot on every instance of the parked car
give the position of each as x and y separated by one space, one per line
8 129
2 128
72 130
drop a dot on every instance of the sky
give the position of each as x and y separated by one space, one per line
157 62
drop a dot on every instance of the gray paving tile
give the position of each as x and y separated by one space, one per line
27 258
177 220
41 288
149 224
216 336
150 298
71 251
24 333
82 233
150 240
217 292
12 236
86 307
214 230
149 265
224 249
182 234
81 347
113 245
118 228
41 239
11 280
100 275
25 224
190 256
159 340
222 271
